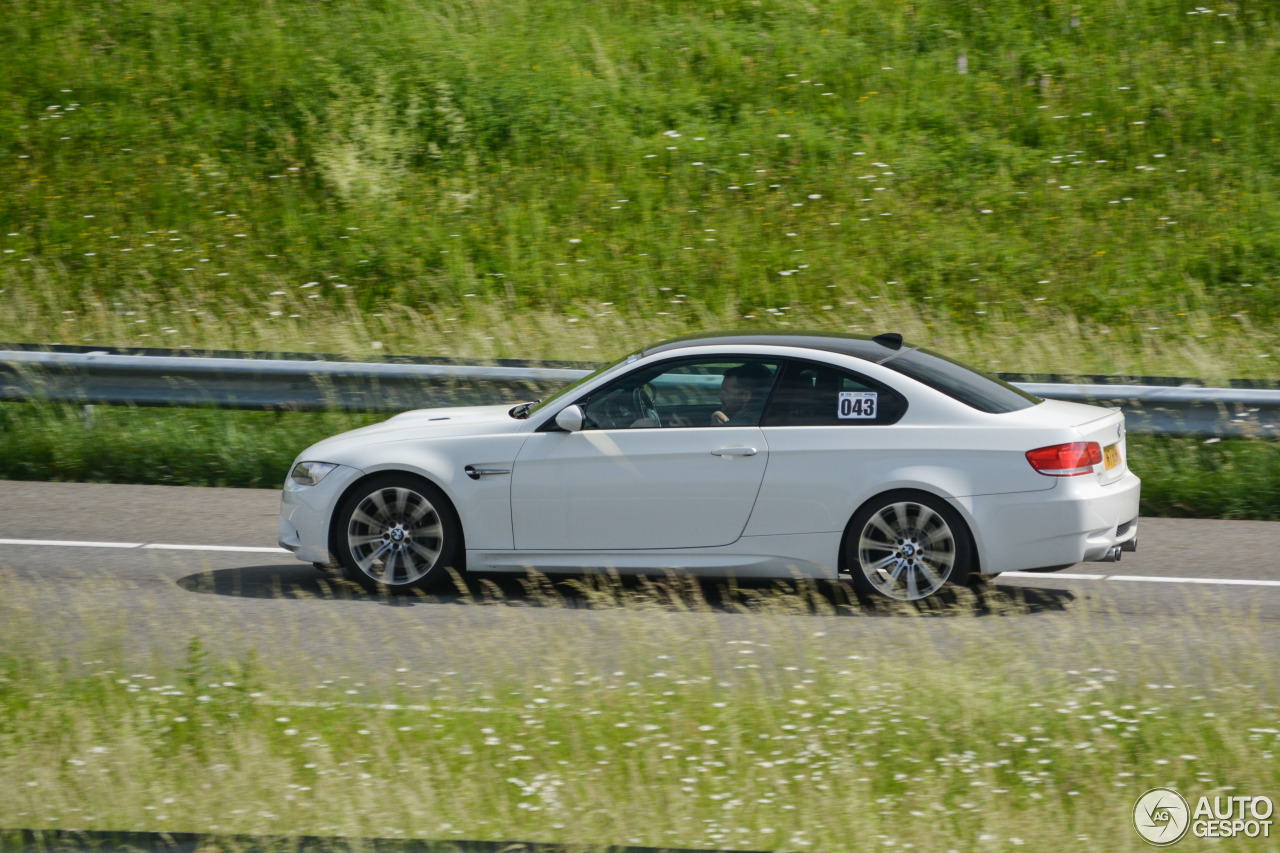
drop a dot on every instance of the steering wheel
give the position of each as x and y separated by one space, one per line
647 409
609 412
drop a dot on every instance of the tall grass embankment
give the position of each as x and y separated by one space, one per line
1033 187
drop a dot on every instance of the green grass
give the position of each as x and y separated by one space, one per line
1097 193
1181 477
188 447
1208 479
749 732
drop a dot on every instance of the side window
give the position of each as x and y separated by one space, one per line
684 393
811 394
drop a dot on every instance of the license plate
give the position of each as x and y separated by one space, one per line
1111 455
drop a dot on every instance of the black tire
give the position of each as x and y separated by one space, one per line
907 546
396 533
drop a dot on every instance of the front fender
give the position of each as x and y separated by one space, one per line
483 504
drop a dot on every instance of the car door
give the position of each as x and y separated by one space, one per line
832 436
656 466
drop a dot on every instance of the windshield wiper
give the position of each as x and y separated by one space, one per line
521 411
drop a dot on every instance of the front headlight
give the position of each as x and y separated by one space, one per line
310 473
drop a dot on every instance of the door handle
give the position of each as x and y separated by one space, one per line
734 451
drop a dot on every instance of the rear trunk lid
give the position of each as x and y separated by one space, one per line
1104 425
1109 432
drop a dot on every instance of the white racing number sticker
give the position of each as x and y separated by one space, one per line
857 404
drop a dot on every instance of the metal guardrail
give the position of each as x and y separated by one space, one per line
239 383
300 384
1178 410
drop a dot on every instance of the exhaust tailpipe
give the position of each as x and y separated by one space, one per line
1112 555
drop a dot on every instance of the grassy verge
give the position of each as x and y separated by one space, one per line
187 447
1183 477
702 731
1195 478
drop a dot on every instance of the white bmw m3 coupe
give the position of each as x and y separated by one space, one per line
741 454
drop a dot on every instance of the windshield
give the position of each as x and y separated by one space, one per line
568 390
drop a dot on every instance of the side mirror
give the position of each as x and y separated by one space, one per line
570 418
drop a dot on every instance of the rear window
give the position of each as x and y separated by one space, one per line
972 387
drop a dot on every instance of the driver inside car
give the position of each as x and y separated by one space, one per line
742 396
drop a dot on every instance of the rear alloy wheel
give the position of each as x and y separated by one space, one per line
397 532
906 546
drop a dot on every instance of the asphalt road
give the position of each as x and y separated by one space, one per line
1196 589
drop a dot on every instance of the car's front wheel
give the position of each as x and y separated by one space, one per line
397 532
906 546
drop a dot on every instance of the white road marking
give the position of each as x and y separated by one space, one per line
235 549
245 549
1064 575
156 546
1230 581
61 543
1138 578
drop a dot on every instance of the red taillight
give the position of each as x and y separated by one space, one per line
1066 460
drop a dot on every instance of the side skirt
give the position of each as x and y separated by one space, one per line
798 556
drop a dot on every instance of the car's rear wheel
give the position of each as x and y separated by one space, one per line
397 532
906 546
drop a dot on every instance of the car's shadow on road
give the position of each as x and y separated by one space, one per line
610 591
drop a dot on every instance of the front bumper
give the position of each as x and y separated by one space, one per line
306 511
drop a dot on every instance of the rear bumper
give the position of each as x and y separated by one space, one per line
1077 521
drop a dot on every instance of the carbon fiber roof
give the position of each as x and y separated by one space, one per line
858 346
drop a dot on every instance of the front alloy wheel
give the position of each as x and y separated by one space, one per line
907 547
397 532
